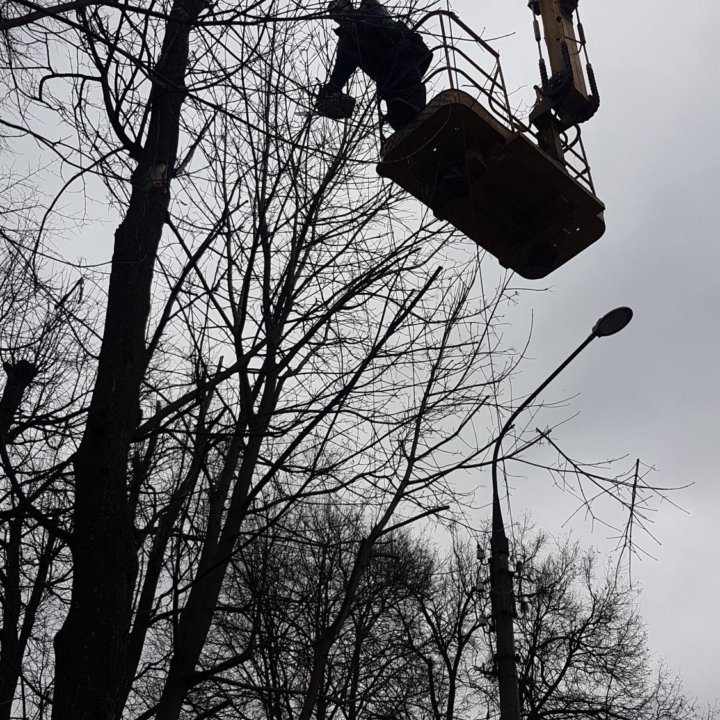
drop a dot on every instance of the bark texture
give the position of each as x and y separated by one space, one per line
92 646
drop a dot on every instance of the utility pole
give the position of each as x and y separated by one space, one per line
502 595
502 599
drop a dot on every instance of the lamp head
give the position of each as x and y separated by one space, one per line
612 322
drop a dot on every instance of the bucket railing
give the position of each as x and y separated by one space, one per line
464 61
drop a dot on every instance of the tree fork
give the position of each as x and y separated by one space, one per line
91 647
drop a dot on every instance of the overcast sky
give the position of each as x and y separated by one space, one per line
651 391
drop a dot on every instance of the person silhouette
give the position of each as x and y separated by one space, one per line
387 51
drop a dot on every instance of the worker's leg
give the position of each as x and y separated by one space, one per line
405 98
331 102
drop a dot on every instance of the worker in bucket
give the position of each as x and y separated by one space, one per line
386 50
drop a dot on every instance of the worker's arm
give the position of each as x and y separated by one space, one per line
347 58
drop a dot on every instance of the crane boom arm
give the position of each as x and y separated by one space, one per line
566 90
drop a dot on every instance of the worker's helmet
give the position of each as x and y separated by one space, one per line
337 8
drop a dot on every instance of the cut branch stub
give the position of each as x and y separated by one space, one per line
19 377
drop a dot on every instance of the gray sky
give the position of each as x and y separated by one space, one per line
652 391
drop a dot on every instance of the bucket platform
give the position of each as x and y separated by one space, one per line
493 184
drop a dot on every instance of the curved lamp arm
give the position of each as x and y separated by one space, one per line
608 324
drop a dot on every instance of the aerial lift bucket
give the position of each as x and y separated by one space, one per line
485 174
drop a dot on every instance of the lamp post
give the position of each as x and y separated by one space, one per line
501 579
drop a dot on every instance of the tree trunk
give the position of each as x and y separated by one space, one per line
91 647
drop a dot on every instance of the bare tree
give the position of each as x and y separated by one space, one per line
288 589
417 642
278 252
450 640
272 326
40 404
582 646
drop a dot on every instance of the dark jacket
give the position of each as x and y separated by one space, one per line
384 49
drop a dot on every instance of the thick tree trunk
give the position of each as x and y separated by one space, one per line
91 647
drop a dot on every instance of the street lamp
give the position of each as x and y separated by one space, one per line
501 580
